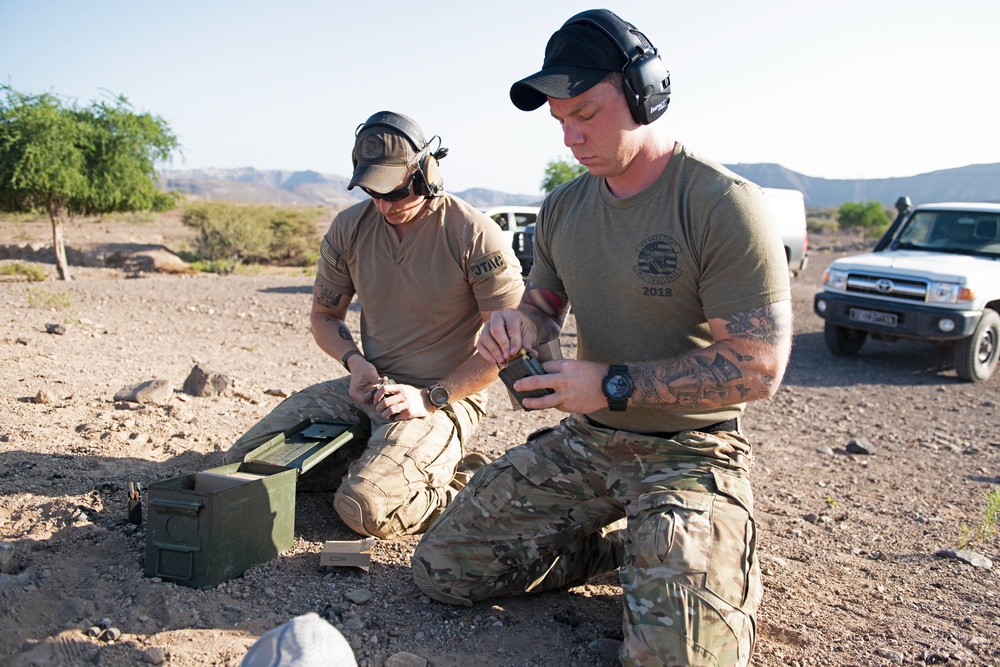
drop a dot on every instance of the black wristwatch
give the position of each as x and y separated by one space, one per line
617 386
437 395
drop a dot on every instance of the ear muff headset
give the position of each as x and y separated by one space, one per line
647 81
427 180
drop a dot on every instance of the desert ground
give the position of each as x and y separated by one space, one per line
850 543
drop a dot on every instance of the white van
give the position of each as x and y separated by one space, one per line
790 210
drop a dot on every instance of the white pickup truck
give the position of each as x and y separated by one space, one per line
933 276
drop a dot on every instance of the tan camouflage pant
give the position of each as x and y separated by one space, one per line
674 516
398 483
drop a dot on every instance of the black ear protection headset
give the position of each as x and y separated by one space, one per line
647 81
427 180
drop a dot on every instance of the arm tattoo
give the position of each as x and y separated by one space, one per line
344 332
550 309
325 297
550 302
757 324
728 372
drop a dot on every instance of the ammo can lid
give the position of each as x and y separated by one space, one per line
305 444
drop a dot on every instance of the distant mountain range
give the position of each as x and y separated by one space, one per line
977 182
298 188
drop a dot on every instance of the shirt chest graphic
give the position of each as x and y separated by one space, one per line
657 260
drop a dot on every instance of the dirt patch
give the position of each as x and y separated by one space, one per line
847 541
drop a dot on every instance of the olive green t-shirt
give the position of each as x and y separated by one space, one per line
421 296
645 273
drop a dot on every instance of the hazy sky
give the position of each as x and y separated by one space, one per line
848 89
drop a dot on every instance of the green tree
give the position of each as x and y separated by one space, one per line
68 160
871 217
559 171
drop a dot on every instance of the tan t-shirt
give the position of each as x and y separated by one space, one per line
645 273
421 297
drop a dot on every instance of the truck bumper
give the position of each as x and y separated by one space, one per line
914 321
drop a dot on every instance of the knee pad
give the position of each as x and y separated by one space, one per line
350 512
359 513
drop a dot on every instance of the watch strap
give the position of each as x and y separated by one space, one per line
348 355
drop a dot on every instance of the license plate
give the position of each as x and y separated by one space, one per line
873 317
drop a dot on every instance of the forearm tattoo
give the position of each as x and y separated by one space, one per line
553 304
344 332
730 371
326 298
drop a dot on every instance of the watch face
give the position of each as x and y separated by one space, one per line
618 386
438 396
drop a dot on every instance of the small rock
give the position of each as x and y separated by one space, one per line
404 659
57 329
203 382
280 393
824 449
936 658
969 557
333 613
154 655
889 654
44 397
8 558
152 391
811 518
605 649
359 595
860 446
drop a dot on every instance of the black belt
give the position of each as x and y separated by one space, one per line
728 425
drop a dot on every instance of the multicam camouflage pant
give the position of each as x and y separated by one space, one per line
398 483
674 516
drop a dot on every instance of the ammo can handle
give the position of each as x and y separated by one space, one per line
169 506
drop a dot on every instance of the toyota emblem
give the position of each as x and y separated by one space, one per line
884 285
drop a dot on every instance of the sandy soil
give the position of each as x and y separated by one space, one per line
848 541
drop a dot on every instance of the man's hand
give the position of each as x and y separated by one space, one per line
503 336
399 402
577 386
364 377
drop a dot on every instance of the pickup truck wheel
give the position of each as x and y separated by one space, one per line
976 356
843 341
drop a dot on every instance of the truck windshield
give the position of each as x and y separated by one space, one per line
959 232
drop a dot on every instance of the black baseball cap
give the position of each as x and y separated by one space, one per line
577 58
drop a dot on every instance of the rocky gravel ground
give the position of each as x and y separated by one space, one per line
866 471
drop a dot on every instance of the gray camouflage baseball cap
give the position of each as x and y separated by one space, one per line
383 156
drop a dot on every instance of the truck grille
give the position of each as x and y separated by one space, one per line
906 289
